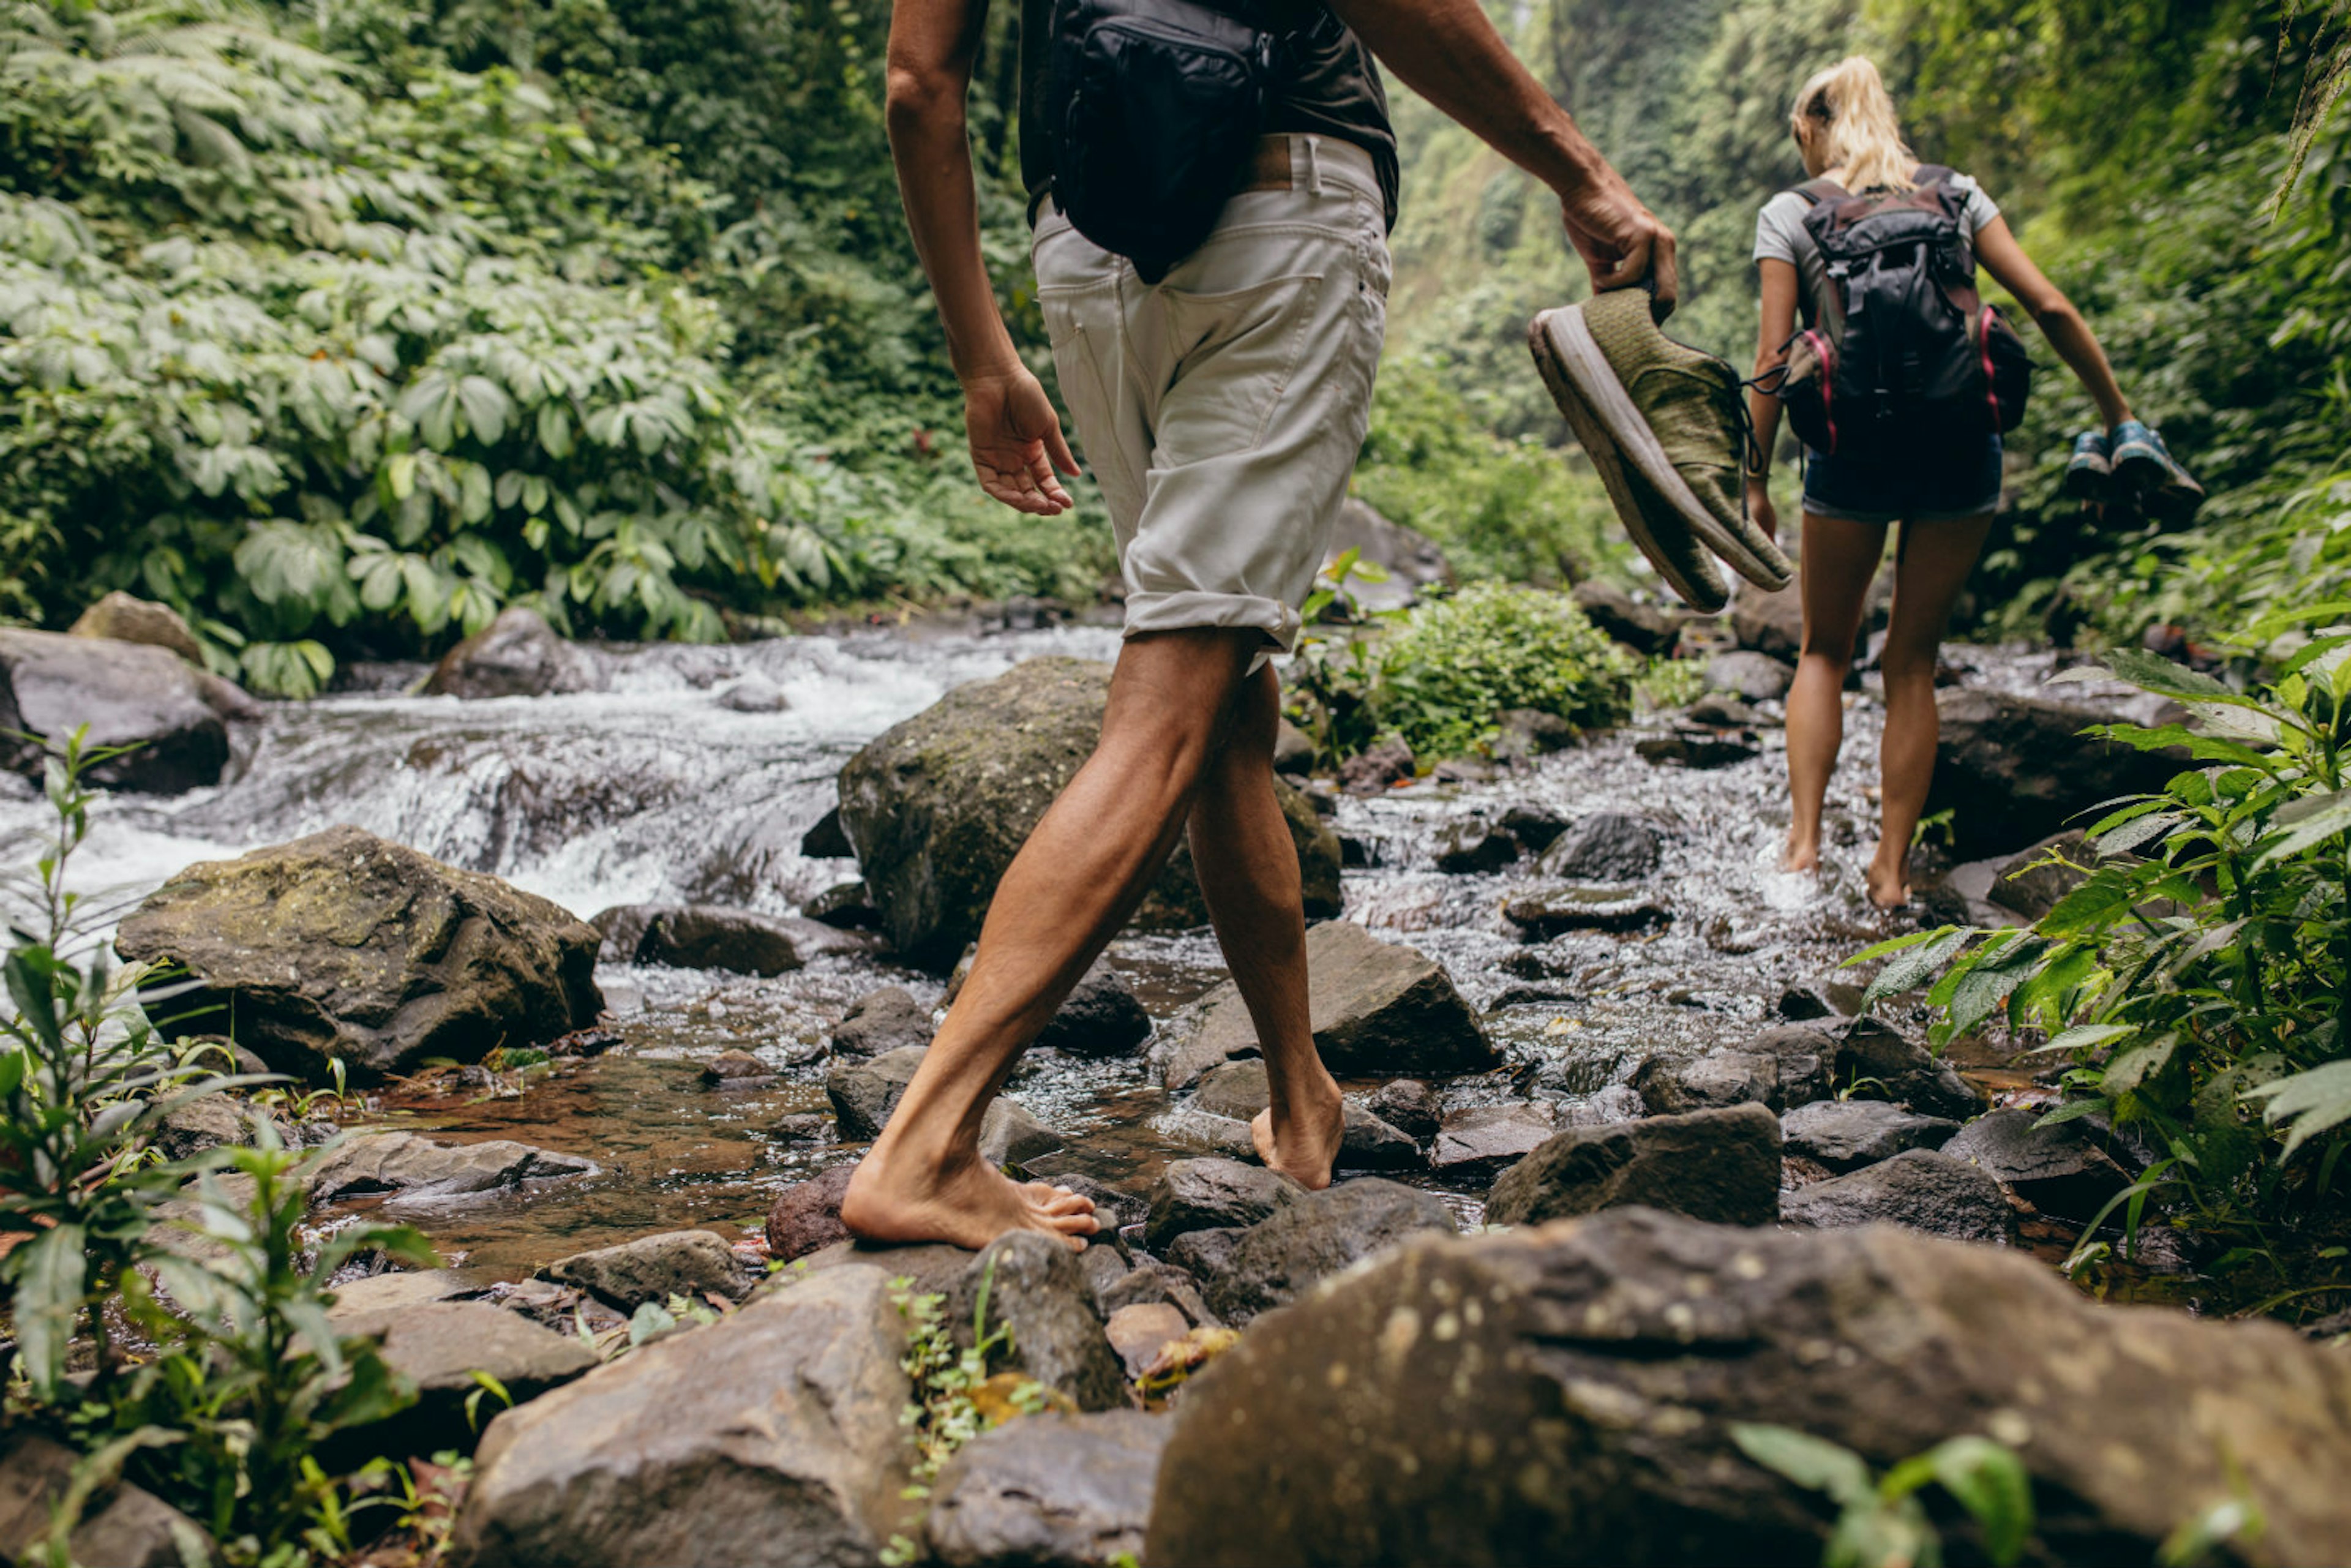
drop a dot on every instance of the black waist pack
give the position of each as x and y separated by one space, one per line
1155 107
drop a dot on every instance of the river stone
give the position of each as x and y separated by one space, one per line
881 1022
1140 1331
1316 1234
846 906
1668 1088
1805 1056
417 1169
1411 560
699 936
1917 1187
1547 912
1719 1166
1376 1008
172 715
402 1288
865 1093
1036 1285
1607 846
826 840
1378 767
807 1214
655 1268
1582 1415
1475 1145
1523 734
341 947
2022 887
1472 846
1100 1018
1209 1194
2014 769
516 656
119 617
1152 1283
122 1526
1644 627
1049 1492
2060 1170
1697 748
1844 1133
1882 1060
1771 624
1408 1105
439 1345
753 694
768 1438
1748 675
937 807
1534 828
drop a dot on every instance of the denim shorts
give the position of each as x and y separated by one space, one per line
1933 485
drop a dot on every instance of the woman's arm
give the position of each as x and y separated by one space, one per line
2059 321
1779 280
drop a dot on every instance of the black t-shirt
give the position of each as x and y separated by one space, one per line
1336 92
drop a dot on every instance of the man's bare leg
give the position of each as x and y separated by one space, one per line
1247 867
1065 895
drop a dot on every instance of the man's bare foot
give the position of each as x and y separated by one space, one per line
1304 1144
963 1201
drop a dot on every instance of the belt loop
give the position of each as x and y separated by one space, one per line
1314 162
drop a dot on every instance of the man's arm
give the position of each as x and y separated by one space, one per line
1016 437
1448 52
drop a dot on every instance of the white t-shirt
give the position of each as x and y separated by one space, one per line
1779 236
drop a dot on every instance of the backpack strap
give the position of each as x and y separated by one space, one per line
1815 191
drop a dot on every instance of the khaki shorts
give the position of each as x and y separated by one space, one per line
1221 409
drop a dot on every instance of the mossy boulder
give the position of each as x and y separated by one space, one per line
938 806
343 947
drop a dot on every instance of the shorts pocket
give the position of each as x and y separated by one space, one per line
1234 353
1082 324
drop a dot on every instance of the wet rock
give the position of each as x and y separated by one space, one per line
1917 1187
1819 1000
737 1070
930 1267
1804 1056
938 806
2059 1170
686 1263
1719 1077
402 1288
1377 1008
698 936
1644 627
1883 1061
1718 711
1212 1194
122 1526
1356 854
882 1022
119 617
1607 846
516 656
753 694
1749 677
439 1346
1700 749
1412 561
1035 1285
1583 1414
1011 1135
771 1435
1238 1091
1315 1234
415 1170
1407 1104
1151 1283
1138 1333
807 1214
1227 1137
1477 1145
803 1127
1844 1133
1718 1166
130 695
2022 887
1771 624
863 1093
1203 1255
1293 751
214 1121
2015 769
1545 912
826 840
340 947
1523 734
1100 1018
1049 1492
1471 846
1380 767
1535 828
844 904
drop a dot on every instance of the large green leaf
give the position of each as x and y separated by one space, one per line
50 1273
2316 1101
1811 1462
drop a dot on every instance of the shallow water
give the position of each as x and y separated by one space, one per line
653 791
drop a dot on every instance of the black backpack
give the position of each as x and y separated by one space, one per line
1904 349
1153 108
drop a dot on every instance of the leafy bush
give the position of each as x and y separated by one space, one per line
2199 980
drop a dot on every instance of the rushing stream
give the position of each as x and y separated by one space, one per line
654 792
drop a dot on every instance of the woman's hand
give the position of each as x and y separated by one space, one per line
1760 508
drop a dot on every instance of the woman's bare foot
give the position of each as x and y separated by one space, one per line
1888 889
962 1200
1304 1144
1796 856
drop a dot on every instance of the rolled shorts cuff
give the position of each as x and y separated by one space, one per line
1821 509
1192 608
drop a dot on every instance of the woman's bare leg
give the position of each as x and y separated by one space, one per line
1839 559
1931 566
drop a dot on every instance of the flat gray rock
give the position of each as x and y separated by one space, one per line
1209 1194
2060 1170
1719 1166
416 1169
1049 1492
1917 1187
125 1526
1844 1133
1476 1145
440 1345
655 1268
1276 1260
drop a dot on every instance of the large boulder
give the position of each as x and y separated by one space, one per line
516 656
1917 1187
341 947
1316 1234
1378 1009
1722 1166
172 716
1566 1396
1644 627
770 1438
690 1263
2014 769
707 937
1036 1287
937 807
1049 1492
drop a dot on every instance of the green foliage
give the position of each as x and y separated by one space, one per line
1881 1520
2199 980
942 1415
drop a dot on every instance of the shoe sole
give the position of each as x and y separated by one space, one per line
1566 352
1695 579
2088 484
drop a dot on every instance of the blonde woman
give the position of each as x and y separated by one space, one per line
1939 478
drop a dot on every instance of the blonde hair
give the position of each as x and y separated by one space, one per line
1848 104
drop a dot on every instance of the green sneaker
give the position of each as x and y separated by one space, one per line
1667 411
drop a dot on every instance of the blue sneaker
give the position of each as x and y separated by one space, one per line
2144 467
2090 472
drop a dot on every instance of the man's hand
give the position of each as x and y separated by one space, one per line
1621 241
1016 443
